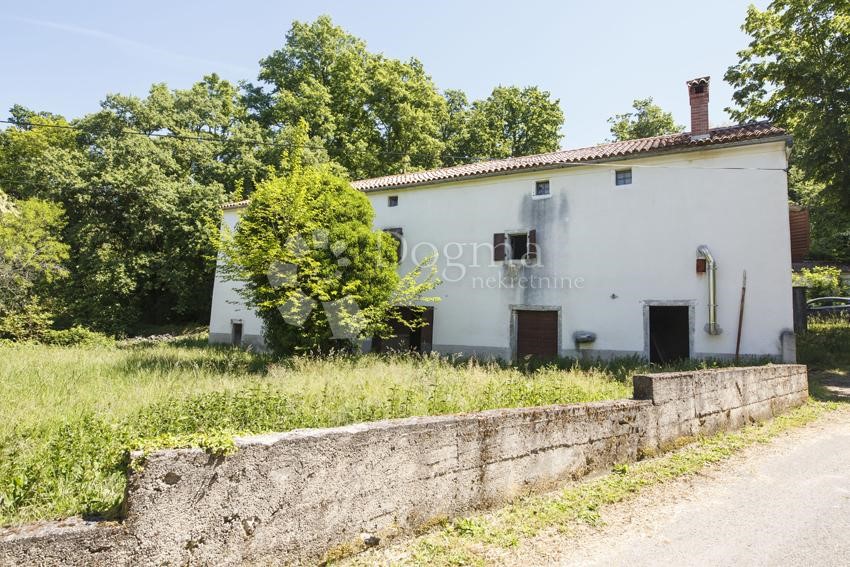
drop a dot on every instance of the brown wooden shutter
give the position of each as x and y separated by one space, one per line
532 245
800 240
499 246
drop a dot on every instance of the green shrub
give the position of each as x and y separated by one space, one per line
76 336
822 281
313 266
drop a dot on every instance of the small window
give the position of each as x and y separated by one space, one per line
392 201
541 188
623 177
515 246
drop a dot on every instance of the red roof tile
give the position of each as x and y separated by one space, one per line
604 152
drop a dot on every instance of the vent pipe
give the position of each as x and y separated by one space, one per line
711 267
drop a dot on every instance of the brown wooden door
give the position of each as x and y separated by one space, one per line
537 334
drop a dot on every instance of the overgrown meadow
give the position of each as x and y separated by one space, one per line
71 414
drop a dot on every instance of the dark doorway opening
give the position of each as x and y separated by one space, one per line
669 333
236 334
536 334
404 339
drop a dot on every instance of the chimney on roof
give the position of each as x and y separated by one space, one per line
698 94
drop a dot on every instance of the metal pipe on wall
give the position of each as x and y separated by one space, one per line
711 267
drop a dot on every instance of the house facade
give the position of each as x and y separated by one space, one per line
634 248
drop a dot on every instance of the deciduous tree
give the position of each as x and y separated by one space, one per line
316 271
647 120
796 72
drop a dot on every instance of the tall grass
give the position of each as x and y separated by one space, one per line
69 415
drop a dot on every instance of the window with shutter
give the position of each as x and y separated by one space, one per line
515 246
499 247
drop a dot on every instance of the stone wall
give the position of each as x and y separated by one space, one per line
291 497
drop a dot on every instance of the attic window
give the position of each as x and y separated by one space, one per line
541 188
623 177
392 201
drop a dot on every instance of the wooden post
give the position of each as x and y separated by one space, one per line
801 311
741 318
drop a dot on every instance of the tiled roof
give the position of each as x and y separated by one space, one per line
615 150
604 152
235 204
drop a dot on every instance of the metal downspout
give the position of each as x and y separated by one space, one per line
711 267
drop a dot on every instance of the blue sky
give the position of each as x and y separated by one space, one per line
595 56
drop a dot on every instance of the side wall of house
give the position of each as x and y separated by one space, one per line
228 306
607 252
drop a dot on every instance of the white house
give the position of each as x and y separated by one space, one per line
629 248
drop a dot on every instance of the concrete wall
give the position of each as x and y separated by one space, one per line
291 497
606 251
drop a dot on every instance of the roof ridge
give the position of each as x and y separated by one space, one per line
612 150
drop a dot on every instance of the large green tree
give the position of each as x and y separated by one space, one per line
796 72
647 120
373 114
376 115
316 271
513 121
140 182
32 261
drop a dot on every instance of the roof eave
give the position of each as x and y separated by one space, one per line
531 169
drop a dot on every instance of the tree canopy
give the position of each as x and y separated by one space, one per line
31 259
647 120
317 272
138 184
796 72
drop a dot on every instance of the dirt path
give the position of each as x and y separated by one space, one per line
783 503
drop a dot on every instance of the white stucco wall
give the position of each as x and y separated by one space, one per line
228 306
637 242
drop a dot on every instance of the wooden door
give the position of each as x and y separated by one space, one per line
537 334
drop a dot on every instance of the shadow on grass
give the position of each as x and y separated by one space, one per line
194 354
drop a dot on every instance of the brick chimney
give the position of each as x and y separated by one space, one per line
698 93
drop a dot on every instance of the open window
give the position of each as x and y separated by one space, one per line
515 246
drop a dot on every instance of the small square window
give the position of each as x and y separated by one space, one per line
392 201
623 177
541 188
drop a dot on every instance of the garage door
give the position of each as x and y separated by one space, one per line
537 334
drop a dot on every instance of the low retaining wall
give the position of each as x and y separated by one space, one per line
291 497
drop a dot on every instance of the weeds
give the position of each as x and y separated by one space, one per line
70 414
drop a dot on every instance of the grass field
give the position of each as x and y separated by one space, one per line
71 414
